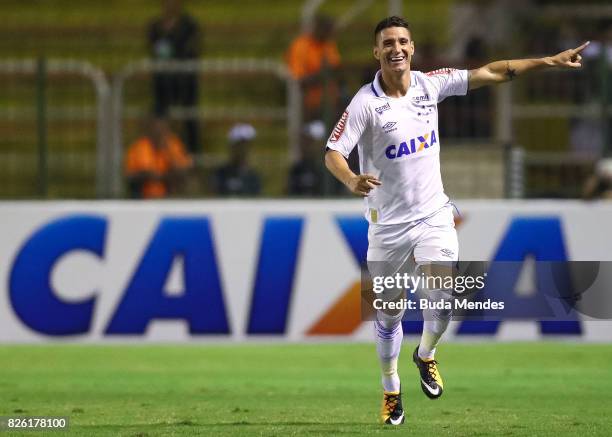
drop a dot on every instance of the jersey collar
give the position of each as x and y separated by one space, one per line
377 88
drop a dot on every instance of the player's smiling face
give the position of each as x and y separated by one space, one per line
394 49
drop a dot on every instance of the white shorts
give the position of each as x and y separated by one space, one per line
403 247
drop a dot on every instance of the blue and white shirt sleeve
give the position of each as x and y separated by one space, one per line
449 82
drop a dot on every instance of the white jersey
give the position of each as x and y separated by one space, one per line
399 143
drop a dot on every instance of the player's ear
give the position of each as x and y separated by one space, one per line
411 48
376 52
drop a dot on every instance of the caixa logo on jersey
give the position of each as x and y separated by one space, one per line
414 145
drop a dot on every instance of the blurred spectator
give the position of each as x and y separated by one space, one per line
476 122
590 135
313 59
603 42
586 136
306 177
599 185
500 22
237 177
156 164
476 51
176 36
470 116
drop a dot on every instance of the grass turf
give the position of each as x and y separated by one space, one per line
510 389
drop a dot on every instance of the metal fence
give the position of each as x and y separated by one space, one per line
258 91
54 129
561 119
65 130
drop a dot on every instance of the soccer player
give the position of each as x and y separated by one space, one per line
394 122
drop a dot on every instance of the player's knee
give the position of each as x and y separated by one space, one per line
439 305
389 319
443 314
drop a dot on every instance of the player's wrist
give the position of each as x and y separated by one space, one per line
351 180
548 61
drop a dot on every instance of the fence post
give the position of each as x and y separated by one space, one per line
294 117
503 113
41 124
605 95
515 172
114 161
395 7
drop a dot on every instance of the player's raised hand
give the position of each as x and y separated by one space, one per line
569 58
362 184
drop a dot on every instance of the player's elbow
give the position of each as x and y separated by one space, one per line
484 76
331 159
326 157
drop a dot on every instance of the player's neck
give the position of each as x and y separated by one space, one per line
395 84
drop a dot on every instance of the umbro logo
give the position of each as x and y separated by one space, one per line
382 108
389 127
447 252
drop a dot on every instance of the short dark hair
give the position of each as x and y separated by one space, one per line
393 21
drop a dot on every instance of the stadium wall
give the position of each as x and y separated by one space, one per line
245 270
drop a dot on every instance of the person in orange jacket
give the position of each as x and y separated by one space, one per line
313 59
156 164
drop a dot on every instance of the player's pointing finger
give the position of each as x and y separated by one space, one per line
582 47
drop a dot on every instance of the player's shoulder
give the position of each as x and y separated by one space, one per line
428 77
365 96
366 92
440 78
441 71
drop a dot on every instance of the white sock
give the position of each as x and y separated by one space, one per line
389 335
432 332
390 377
434 324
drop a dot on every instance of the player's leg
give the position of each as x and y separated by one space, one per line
435 322
436 253
389 336
437 318
385 258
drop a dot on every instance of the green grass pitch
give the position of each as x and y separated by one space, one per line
502 389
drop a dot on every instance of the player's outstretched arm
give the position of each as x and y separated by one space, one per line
357 184
504 71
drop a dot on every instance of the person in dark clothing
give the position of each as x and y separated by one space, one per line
176 36
237 177
599 185
306 176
